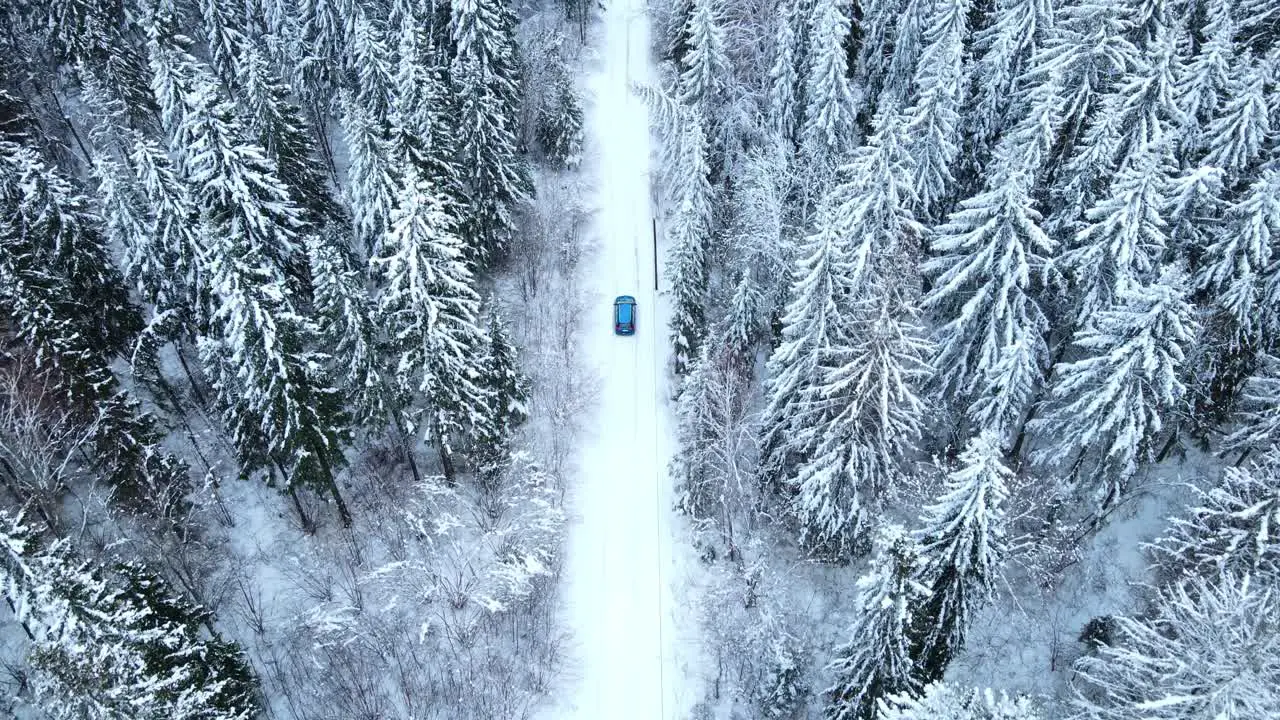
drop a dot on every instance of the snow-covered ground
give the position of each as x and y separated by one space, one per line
619 571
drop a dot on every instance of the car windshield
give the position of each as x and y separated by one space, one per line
624 312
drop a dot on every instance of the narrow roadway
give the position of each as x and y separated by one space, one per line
619 551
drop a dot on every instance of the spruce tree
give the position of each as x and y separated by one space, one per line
1258 424
257 347
1108 408
687 270
811 325
486 81
1087 49
962 547
705 66
875 415
992 332
1018 31
347 328
1205 78
784 78
1125 238
908 42
876 662
506 392
278 125
934 124
1235 266
1236 135
829 101
373 175
429 309
110 643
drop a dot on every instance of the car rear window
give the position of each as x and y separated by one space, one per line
624 312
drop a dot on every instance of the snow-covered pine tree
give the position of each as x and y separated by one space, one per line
870 390
1149 115
486 79
373 175
173 223
1236 265
991 340
1125 236
829 103
275 397
278 125
962 548
108 643
1258 424
1005 47
943 701
687 271
1202 651
429 310
1229 527
1195 212
933 127
1088 48
370 60
876 661
1236 135
877 28
1109 407
1205 79
321 48
256 347
705 65
784 77
908 42
1135 119
506 392
231 177
418 106
74 35
794 420
346 328
874 209
224 36
872 371
67 305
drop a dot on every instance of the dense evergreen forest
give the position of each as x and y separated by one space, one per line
959 285
262 416
976 318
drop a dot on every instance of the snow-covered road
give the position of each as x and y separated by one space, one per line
618 583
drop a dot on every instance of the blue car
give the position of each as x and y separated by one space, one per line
624 315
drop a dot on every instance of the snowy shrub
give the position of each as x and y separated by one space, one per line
760 658
1098 632
941 701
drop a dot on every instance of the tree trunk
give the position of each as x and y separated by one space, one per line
343 513
406 447
308 526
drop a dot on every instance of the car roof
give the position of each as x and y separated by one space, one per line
625 299
624 312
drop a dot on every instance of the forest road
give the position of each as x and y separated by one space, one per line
619 551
